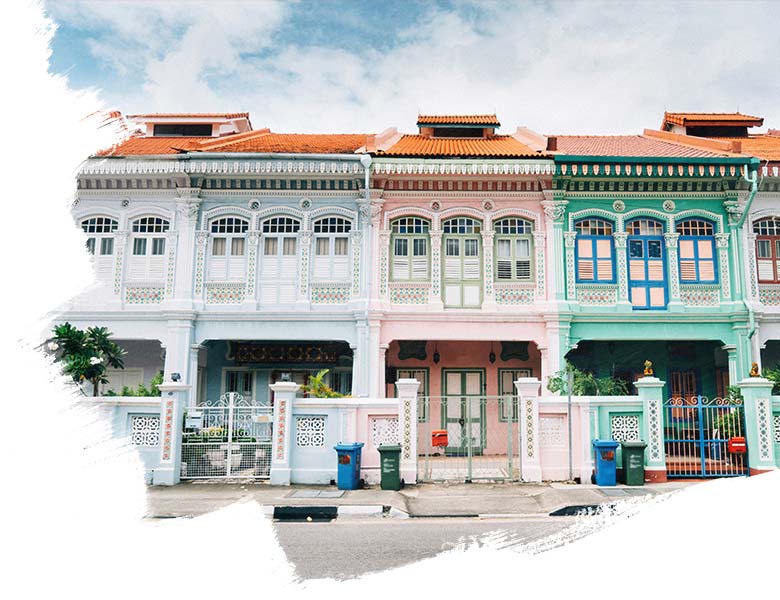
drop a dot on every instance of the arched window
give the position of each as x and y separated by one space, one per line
595 251
147 257
101 235
279 263
410 243
646 264
513 241
331 249
697 251
768 249
462 277
227 260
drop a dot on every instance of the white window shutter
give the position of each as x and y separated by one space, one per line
340 268
420 268
523 269
400 268
471 268
136 267
452 268
236 267
765 271
217 268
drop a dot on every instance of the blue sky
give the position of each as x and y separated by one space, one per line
357 65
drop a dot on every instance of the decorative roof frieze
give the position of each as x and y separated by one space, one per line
463 167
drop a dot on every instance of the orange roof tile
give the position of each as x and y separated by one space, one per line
763 146
627 145
457 120
238 115
265 141
694 119
418 145
142 146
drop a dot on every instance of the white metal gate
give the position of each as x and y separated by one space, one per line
231 438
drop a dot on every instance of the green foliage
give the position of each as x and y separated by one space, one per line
317 388
728 424
86 354
141 390
773 375
585 384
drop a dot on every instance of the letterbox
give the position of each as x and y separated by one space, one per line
737 445
439 437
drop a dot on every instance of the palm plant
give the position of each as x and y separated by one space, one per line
317 387
87 354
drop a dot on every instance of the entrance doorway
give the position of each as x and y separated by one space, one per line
463 411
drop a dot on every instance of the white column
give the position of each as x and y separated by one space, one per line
174 398
488 298
651 392
406 390
373 360
731 352
586 418
193 373
284 395
382 369
187 208
178 346
250 293
528 399
120 241
304 239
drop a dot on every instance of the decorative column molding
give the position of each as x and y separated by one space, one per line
173 400
528 402
488 298
650 390
752 275
355 239
193 373
284 396
620 238
304 238
120 239
384 262
201 241
187 210
435 298
382 367
722 243
570 238
171 237
757 393
555 209
731 352
673 266
539 251
252 240
406 390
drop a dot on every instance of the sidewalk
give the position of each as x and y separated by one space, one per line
423 500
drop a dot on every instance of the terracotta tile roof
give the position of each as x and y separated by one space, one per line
153 145
265 141
418 145
694 119
457 120
763 146
238 115
627 145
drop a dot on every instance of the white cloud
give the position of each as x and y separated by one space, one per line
559 68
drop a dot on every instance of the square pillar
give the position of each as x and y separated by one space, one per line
528 401
174 398
587 415
407 421
651 392
757 393
284 396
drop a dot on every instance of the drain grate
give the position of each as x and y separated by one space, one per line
305 513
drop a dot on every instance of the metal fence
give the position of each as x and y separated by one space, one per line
482 439
701 436
228 439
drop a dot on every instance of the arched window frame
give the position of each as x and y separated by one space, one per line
227 248
410 247
279 259
100 231
595 250
330 238
767 232
646 262
147 248
697 254
462 275
514 248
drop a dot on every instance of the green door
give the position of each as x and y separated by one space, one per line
463 411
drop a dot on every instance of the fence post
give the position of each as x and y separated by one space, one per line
407 420
650 391
757 393
284 395
528 399
174 397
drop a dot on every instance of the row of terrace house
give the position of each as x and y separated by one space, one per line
454 266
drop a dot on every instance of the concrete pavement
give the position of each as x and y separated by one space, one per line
423 500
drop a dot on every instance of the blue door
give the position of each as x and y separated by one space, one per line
646 266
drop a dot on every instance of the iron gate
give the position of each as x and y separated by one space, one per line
231 438
483 439
697 431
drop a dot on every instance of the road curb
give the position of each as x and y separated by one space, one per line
328 513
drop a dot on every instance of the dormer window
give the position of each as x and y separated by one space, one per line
458 126
182 130
458 132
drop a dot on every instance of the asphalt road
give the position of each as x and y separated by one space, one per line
349 548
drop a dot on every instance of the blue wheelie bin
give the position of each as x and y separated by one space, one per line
605 463
348 475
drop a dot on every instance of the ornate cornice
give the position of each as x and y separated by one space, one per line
462 167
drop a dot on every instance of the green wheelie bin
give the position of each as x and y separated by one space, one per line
633 462
390 467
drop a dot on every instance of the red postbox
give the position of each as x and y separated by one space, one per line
439 437
737 445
